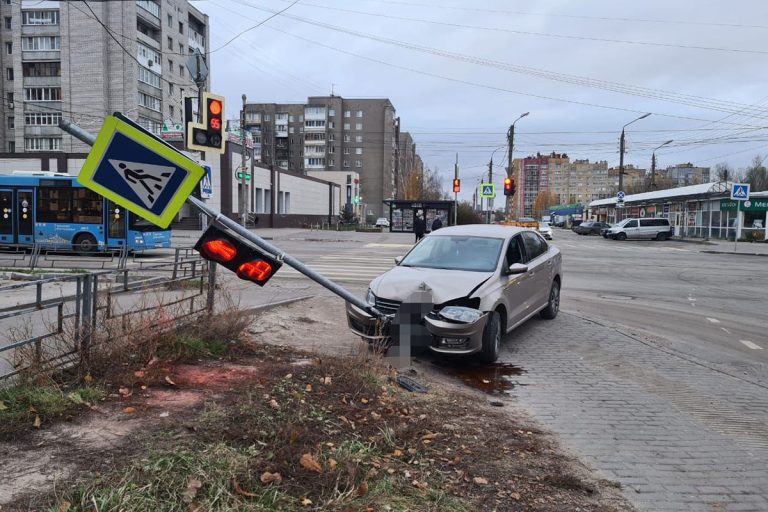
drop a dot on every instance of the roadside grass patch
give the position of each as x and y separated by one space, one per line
27 405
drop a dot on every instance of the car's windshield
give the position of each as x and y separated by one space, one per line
622 223
543 224
472 253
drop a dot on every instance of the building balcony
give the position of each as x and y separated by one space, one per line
40 30
148 40
281 133
315 114
42 81
314 129
149 11
37 4
196 40
314 165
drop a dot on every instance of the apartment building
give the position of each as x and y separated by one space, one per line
59 61
581 182
330 133
683 175
409 162
533 175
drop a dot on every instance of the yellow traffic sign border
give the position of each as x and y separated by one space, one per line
484 196
113 125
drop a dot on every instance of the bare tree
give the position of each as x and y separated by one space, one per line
757 174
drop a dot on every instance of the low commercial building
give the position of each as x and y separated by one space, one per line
402 213
703 211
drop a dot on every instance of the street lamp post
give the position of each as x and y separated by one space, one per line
511 148
653 164
621 151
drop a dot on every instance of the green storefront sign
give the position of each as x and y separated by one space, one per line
755 205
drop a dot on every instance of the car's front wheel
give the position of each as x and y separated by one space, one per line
621 236
553 306
491 339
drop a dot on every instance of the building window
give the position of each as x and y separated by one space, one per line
41 68
347 113
148 77
8 22
346 151
331 125
170 88
42 94
331 136
150 102
358 151
170 20
41 43
358 126
150 124
170 110
42 118
358 163
267 117
11 146
330 162
358 138
170 43
9 96
11 122
9 48
9 73
347 138
346 163
39 17
359 113
346 126
331 112
42 143
290 118
148 53
181 28
332 149
181 49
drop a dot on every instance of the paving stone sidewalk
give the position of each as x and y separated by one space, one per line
677 435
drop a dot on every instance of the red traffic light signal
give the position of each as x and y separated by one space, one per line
509 186
230 251
209 134
456 185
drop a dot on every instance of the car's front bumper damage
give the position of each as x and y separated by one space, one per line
445 336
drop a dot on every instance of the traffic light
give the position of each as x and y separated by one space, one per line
208 135
456 186
230 251
509 186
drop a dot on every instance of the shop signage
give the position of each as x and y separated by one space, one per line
753 205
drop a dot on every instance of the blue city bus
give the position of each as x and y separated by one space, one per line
56 212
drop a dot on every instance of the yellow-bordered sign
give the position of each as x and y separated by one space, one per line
139 172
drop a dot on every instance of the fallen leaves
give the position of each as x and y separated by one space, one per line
242 492
3 407
273 404
268 478
308 462
193 485
129 410
87 379
305 502
138 374
37 422
125 392
169 381
308 388
64 506
362 489
480 480
332 464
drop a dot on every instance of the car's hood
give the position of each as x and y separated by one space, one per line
400 282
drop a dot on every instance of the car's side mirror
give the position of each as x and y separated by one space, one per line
398 259
517 268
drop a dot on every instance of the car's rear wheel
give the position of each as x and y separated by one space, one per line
621 236
491 339
553 306
661 237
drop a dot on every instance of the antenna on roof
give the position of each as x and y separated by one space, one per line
332 86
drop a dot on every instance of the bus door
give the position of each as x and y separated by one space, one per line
6 217
25 223
116 218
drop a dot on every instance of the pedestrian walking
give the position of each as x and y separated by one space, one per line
419 226
437 223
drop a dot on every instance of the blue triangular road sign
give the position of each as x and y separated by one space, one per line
487 191
740 192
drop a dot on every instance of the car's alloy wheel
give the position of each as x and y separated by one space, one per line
553 306
491 339
621 236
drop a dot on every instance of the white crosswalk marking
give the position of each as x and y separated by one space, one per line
344 267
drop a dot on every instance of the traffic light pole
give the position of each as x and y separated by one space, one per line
275 251
243 198
456 194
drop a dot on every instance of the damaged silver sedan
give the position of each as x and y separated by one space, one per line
461 288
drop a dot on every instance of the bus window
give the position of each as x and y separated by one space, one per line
136 223
54 205
87 206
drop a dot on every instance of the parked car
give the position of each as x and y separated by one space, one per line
604 231
483 281
545 230
653 228
590 227
382 221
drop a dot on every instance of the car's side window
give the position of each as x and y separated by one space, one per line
534 245
515 251
631 224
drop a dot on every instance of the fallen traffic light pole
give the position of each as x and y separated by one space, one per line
274 251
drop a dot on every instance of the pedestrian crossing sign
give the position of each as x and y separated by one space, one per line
487 190
740 192
138 171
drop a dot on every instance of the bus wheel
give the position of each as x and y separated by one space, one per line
84 244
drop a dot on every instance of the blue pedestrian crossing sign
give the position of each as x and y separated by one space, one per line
740 192
139 172
487 190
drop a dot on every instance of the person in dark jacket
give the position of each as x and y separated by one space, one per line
437 223
419 226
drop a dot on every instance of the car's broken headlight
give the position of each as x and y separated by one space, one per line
460 314
370 298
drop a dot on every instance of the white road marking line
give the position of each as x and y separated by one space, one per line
569 245
390 245
726 330
713 320
751 345
692 299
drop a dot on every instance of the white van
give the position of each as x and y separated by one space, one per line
651 228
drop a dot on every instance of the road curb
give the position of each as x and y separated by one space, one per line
736 253
265 307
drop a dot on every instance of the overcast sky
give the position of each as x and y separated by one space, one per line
459 72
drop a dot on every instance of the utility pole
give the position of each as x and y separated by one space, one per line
490 199
243 184
510 171
397 157
653 164
456 194
621 151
